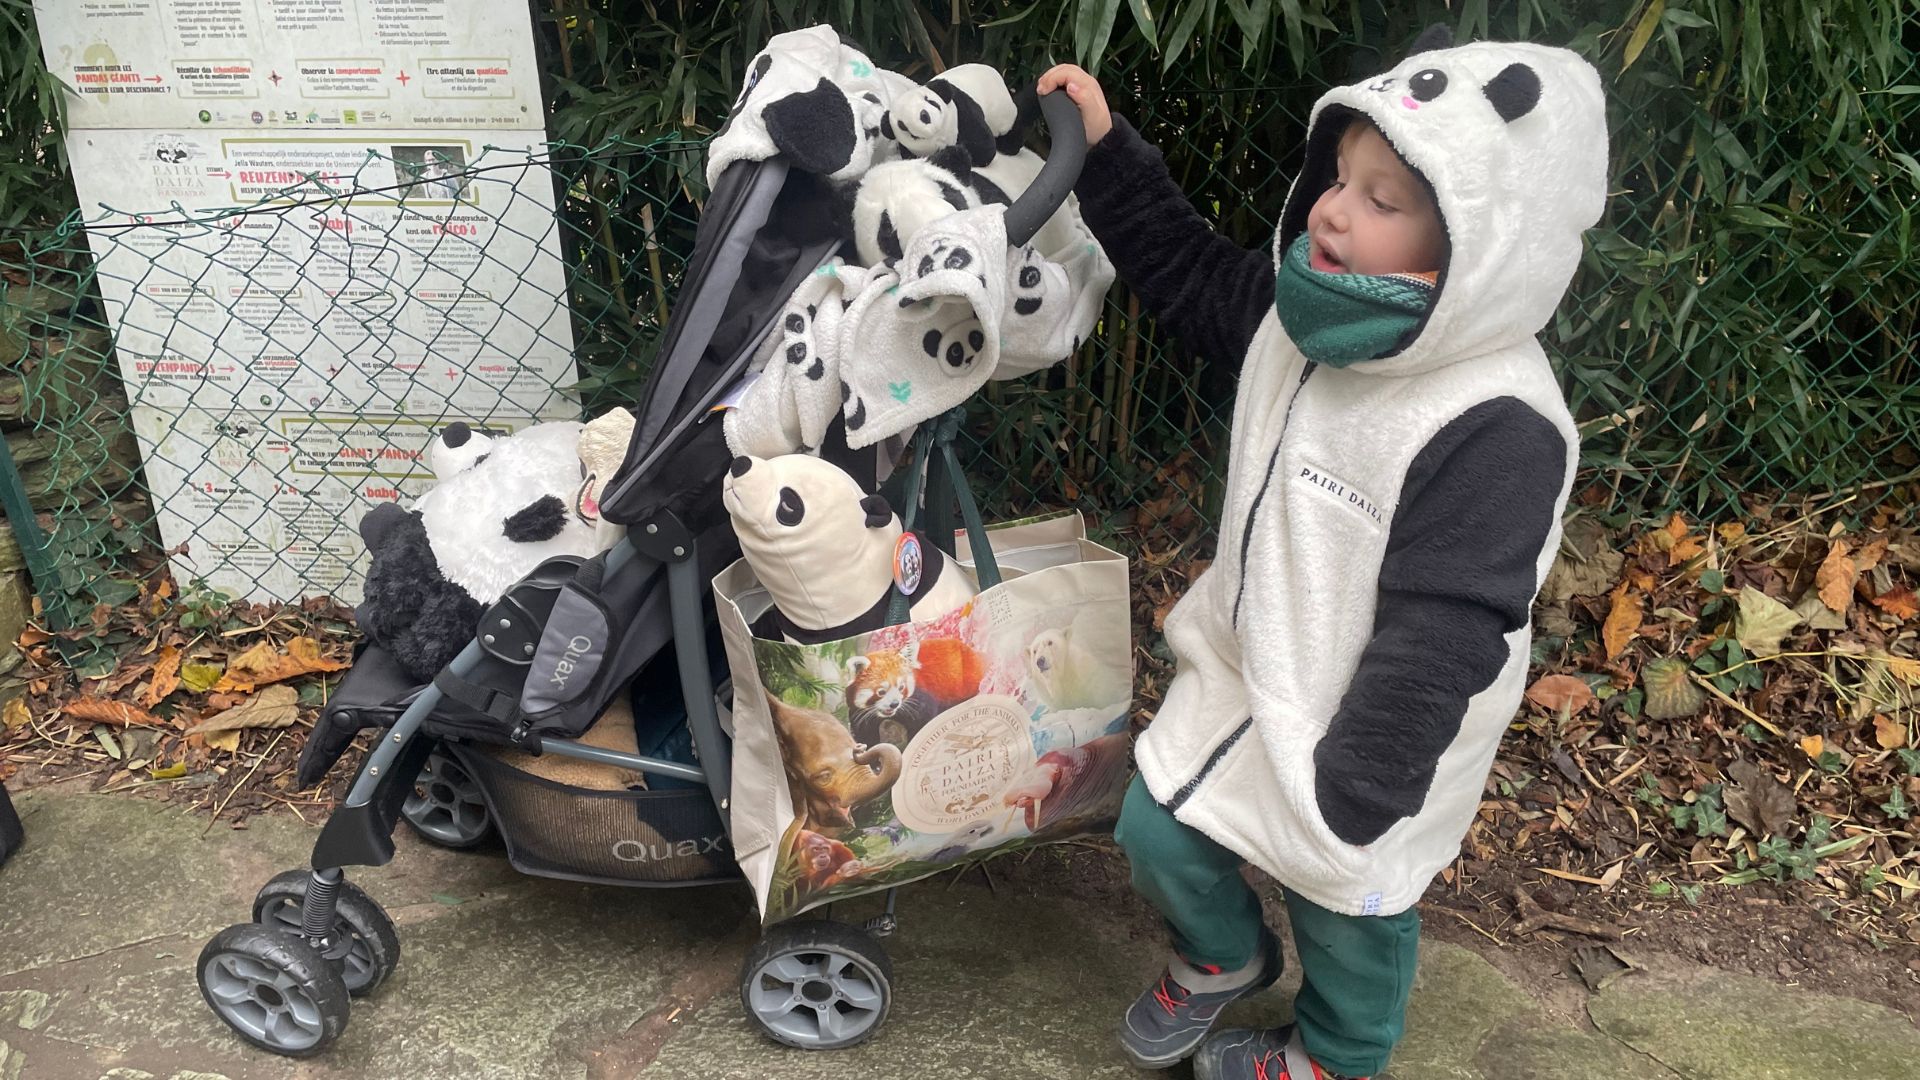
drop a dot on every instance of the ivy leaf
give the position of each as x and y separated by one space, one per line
1671 693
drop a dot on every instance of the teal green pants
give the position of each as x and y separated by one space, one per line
1356 970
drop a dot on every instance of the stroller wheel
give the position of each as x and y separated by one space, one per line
273 990
373 948
447 807
817 985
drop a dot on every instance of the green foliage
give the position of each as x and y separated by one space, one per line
1705 815
1742 321
34 188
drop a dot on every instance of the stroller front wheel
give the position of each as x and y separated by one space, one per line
817 985
273 989
372 944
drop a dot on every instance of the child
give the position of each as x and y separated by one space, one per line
1400 457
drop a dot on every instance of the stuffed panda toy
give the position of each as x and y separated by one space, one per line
967 106
826 551
502 506
899 198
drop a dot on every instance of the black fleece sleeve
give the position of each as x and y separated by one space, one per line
1211 292
1459 574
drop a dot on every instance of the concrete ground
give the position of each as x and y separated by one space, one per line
501 975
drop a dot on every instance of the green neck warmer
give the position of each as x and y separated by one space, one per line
1341 319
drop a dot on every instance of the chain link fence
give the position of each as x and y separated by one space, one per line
1743 328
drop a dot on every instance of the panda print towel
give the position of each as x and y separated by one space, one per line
944 305
891 347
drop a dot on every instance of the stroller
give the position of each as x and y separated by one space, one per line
550 654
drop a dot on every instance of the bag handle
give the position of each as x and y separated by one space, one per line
933 439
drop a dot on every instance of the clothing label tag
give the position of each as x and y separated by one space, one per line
1370 905
731 399
907 563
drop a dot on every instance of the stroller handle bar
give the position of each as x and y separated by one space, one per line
1066 154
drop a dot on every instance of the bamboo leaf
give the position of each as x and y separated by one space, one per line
1642 33
1143 18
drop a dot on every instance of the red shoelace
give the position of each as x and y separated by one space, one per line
1171 995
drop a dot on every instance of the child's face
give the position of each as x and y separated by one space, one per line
1376 218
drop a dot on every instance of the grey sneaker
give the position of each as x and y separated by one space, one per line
1165 1024
1270 1054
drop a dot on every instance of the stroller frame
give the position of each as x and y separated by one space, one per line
283 980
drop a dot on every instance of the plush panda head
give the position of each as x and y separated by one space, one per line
811 97
821 546
498 513
500 508
966 106
899 198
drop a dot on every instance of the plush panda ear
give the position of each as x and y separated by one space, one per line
815 130
1434 37
976 137
1514 92
878 512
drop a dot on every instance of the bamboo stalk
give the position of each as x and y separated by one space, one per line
1124 439
652 244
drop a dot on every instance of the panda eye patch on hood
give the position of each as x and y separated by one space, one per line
791 509
541 519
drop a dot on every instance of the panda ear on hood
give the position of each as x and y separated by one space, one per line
1433 38
879 514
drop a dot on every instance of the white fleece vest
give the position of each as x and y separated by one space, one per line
1318 468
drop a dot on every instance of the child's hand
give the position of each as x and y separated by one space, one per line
1084 91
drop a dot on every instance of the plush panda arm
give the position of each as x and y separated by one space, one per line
1208 290
1460 572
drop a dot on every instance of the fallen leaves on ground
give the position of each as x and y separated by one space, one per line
265 664
103 711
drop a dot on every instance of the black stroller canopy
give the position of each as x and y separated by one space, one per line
766 227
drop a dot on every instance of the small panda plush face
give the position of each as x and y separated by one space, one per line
821 546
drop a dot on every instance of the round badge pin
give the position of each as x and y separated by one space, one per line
907 563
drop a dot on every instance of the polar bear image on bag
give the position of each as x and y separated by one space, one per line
1084 664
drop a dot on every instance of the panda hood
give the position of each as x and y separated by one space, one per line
1511 140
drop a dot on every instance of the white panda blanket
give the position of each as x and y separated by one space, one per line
942 305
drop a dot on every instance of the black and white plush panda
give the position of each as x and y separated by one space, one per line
967 106
826 551
503 504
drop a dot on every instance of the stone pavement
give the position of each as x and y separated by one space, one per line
504 976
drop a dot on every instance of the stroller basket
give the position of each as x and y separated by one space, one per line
672 836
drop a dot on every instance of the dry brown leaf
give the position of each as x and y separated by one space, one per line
263 664
1904 668
1835 579
128 674
1870 556
1560 693
1623 621
1812 746
1891 734
1732 533
110 712
1757 799
1681 546
166 676
15 716
1900 603
224 740
273 707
